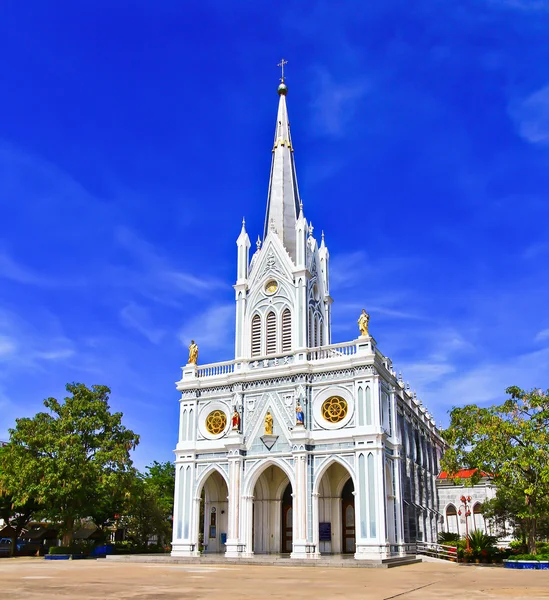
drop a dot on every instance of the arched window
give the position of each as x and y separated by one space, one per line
317 331
478 518
321 334
271 333
452 519
311 325
256 335
286 330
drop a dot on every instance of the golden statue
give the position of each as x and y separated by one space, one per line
363 323
268 424
193 353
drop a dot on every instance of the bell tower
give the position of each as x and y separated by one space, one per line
282 294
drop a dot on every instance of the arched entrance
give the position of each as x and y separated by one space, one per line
272 513
287 521
336 511
213 522
348 518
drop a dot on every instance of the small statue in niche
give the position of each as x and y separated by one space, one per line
193 353
268 424
235 420
299 415
363 323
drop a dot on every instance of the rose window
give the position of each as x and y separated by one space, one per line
216 422
334 409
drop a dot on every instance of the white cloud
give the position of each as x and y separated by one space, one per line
7 346
335 103
9 269
542 335
212 330
138 318
154 276
531 117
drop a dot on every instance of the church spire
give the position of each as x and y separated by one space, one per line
283 197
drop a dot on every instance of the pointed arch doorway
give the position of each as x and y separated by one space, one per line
212 515
272 512
348 544
336 511
287 521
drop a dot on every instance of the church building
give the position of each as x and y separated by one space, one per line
298 445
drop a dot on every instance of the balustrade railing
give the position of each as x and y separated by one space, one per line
262 362
216 369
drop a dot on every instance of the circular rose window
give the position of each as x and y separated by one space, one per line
216 422
334 409
271 287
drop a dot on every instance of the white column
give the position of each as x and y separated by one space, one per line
233 545
399 505
241 299
186 510
246 528
300 543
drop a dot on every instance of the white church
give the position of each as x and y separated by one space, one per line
299 446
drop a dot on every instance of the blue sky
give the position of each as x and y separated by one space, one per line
135 135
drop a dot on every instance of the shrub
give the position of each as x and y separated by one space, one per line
65 550
479 541
531 557
447 536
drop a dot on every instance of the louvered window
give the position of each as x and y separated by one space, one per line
286 330
256 335
271 333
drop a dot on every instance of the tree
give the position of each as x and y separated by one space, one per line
511 442
69 458
15 515
160 480
151 504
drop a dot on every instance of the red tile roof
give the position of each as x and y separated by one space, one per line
463 474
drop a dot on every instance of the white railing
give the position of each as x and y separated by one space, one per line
437 551
333 351
274 360
216 369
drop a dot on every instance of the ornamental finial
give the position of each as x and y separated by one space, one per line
281 65
282 89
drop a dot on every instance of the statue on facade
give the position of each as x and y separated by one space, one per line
268 424
193 353
363 323
236 420
299 415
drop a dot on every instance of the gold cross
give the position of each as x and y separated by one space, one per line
281 64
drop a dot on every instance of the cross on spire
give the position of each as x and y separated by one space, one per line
281 65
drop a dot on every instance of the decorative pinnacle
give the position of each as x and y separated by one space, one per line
311 229
281 65
258 243
282 88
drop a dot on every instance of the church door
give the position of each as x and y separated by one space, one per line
348 518
286 522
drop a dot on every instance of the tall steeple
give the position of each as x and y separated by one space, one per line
283 197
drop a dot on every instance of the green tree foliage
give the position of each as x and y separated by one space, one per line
70 458
511 442
160 481
150 506
14 514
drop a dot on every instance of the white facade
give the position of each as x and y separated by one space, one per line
454 512
357 475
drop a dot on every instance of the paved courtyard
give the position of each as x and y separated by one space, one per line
31 579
